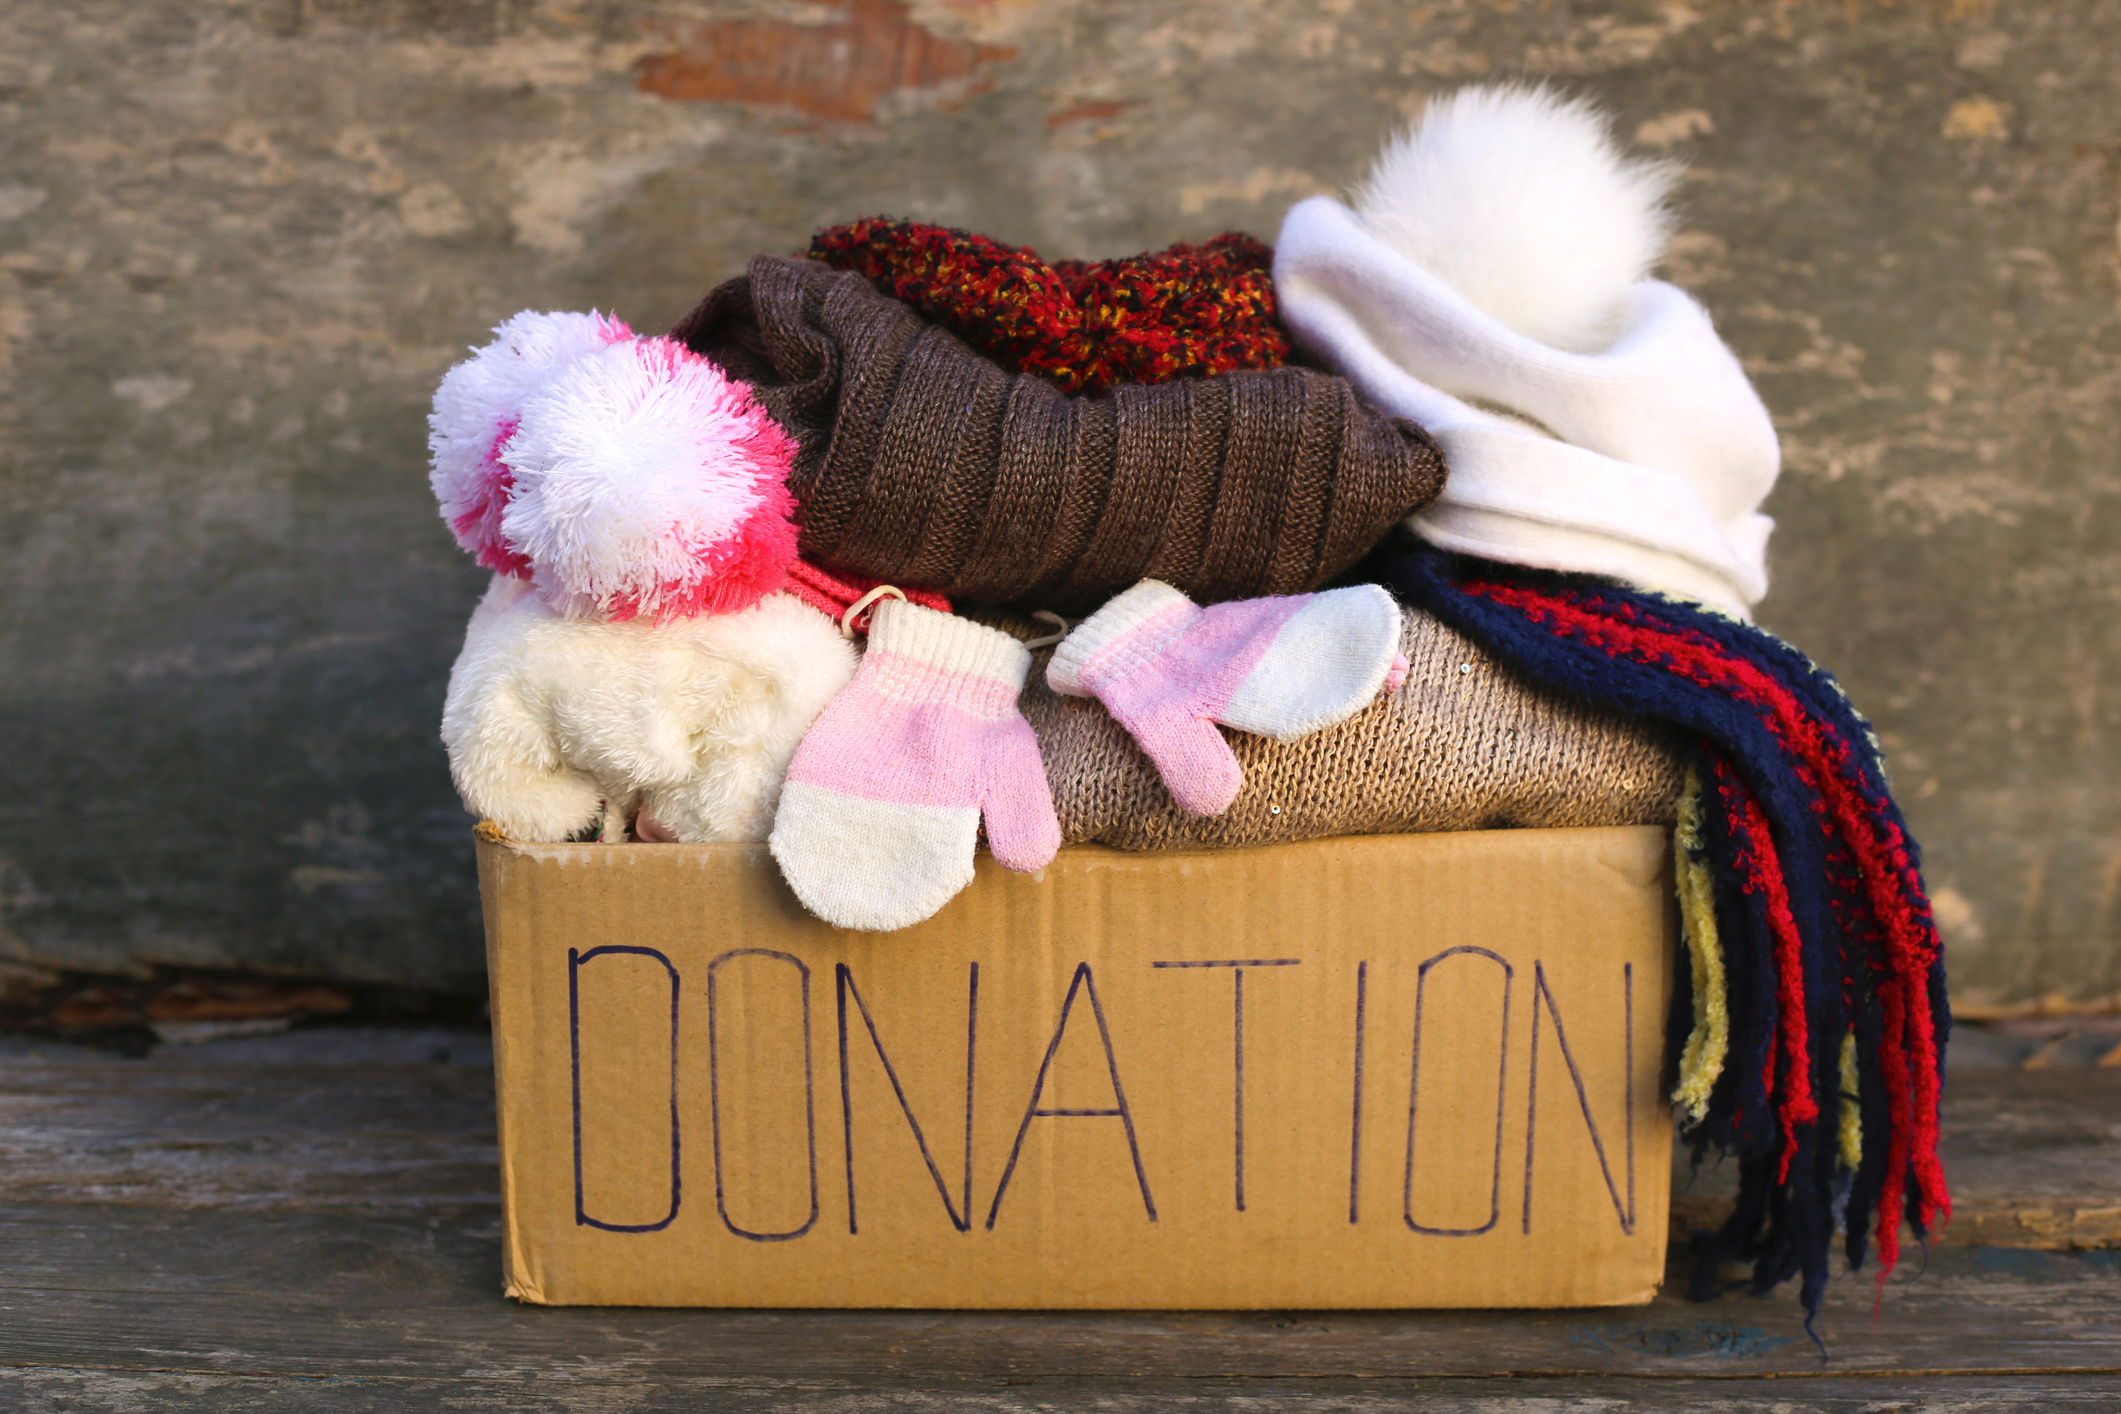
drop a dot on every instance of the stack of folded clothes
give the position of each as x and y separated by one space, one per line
1440 515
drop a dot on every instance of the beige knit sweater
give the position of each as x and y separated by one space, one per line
1465 744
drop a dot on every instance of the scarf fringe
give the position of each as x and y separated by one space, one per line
1816 981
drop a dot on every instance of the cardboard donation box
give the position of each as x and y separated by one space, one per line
1387 1071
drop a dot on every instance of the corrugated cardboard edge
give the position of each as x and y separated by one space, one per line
518 1278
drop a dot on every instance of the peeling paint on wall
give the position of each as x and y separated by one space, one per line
1976 118
846 66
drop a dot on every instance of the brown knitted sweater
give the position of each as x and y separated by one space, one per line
1465 744
924 463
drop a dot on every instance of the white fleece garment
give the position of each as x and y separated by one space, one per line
1646 461
693 722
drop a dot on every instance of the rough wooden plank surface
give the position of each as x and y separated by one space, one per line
2034 1159
238 1230
325 1295
47 1391
188 1133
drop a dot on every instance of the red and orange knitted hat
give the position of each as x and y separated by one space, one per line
1188 311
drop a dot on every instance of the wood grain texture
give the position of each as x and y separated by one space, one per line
182 1133
327 1296
2034 1160
50 1390
185 1233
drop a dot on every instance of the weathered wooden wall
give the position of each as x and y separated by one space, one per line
239 241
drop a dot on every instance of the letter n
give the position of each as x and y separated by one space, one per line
1542 994
844 980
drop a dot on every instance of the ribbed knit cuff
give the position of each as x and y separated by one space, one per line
948 643
1097 639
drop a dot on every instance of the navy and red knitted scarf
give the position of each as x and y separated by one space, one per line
1820 909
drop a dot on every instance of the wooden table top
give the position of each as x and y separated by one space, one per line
311 1222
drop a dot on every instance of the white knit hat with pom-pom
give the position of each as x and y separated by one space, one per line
1489 284
648 483
476 410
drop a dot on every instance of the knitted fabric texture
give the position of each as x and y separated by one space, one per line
880 815
1169 671
924 463
834 594
1709 1042
1463 744
1823 923
1189 311
1851 1106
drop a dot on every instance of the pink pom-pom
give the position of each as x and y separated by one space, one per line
476 410
650 484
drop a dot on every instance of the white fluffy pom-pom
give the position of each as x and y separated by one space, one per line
476 409
648 482
1519 198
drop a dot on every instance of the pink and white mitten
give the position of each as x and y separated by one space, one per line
1285 667
880 815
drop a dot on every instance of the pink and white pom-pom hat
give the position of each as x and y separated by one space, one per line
625 477
476 411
